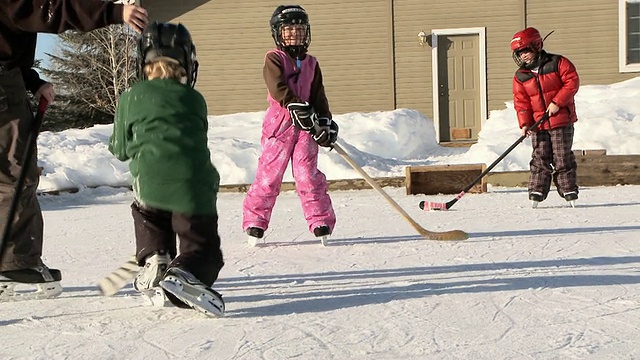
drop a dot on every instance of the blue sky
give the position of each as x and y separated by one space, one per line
46 43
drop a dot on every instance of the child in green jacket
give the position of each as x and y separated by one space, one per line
161 127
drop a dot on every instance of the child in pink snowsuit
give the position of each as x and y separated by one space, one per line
297 121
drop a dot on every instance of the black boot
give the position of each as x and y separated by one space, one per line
255 232
571 196
536 196
322 230
39 274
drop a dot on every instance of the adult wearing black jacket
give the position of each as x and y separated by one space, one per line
20 22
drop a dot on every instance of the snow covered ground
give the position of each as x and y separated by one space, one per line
546 283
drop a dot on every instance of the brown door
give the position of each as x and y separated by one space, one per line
459 87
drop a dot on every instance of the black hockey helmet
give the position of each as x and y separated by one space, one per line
171 41
290 15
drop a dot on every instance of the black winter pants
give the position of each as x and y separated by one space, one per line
200 252
23 248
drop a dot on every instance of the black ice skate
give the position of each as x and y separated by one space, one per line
323 233
571 198
536 198
191 291
255 236
45 281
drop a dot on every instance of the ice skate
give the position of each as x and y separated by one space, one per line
148 278
535 198
322 232
191 291
45 281
255 236
571 198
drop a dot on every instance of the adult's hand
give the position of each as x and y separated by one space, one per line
136 17
46 91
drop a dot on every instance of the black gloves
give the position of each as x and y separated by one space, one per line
303 116
323 130
326 133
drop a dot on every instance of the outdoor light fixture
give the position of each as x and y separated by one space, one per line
422 37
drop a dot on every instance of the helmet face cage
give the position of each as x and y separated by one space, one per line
290 15
172 41
527 39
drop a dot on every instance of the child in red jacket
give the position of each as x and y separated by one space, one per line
546 83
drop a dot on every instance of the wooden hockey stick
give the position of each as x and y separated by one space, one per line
112 283
429 235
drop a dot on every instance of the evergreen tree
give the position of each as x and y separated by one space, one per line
89 72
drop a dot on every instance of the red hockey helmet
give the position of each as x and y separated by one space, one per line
527 38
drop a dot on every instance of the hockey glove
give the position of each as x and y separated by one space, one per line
303 116
326 133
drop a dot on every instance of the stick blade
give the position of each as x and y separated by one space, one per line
112 283
428 206
452 235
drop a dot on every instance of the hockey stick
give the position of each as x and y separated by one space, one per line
429 235
26 159
446 206
112 283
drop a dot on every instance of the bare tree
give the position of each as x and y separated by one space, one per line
113 66
91 70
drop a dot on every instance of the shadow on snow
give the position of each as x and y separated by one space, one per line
320 292
286 294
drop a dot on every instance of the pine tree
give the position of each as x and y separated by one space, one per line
89 72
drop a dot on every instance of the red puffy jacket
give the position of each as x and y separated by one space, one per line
557 80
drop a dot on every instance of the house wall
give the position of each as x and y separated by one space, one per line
413 61
353 42
369 50
231 38
585 32
351 39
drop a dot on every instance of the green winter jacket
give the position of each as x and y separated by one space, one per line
161 126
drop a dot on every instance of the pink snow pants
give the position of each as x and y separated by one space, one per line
281 142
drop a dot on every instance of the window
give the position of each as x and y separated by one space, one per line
629 35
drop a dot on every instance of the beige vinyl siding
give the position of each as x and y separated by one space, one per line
369 50
586 32
231 38
352 41
413 62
